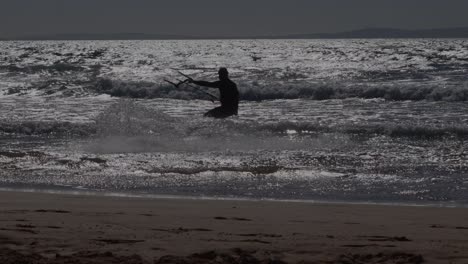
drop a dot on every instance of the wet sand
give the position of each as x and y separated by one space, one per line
51 228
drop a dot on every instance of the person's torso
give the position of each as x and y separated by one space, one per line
229 95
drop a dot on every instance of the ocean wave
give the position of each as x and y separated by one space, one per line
148 90
47 128
255 92
410 131
126 118
385 129
57 67
174 129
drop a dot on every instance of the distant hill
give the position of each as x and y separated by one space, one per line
368 33
390 33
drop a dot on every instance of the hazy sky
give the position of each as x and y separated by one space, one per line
223 17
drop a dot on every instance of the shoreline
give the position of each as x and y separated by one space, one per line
52 227
232 199
84 192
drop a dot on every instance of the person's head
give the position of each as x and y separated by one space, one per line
223 74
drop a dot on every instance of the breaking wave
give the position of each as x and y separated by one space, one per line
146 90
389 129
255 92
128 119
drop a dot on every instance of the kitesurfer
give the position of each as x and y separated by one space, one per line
229 95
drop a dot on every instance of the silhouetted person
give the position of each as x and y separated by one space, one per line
229 95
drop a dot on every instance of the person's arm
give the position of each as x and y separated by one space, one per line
206 84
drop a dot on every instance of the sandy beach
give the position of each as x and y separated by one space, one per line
58 228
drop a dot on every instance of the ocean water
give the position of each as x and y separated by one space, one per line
381 121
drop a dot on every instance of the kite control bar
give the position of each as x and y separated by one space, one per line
187 82
177 84
186 76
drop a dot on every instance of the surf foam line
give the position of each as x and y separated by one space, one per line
125 118
130 195
302 129
130 118
273 91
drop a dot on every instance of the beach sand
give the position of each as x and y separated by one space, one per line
58 228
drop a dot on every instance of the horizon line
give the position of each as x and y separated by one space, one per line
371 31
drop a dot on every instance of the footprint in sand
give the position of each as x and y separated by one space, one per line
368 245
233 218
118 241
53 211
53 227
386 239
182 230
5 241
21 230
457 227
